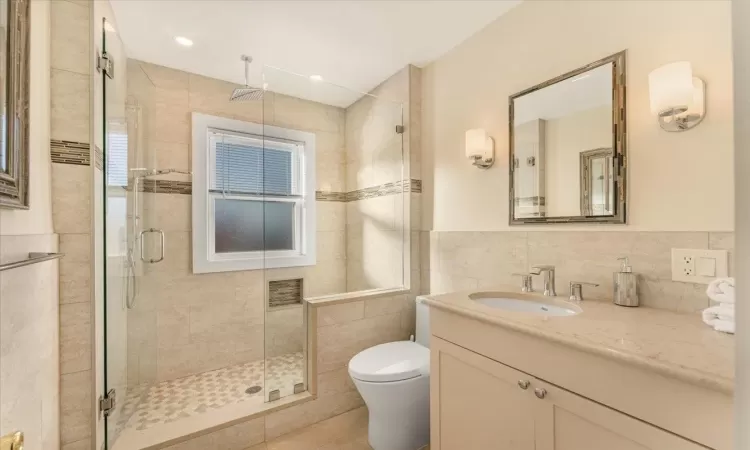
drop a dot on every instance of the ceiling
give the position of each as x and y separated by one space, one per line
357 44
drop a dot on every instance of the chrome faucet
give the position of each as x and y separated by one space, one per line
549 278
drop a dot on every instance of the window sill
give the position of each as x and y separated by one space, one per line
348 297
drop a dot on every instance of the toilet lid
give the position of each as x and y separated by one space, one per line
394 361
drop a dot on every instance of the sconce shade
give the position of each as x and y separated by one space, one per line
476 143
671 86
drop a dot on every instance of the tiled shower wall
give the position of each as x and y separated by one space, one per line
186 323
483 260
377 208
72 171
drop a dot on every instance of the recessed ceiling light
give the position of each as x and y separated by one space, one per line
183 41
316 78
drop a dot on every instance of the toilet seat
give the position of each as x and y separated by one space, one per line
394 361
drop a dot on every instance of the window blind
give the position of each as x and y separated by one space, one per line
117 158
251 169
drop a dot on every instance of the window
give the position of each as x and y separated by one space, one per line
117 181
253 196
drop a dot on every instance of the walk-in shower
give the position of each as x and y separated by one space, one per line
222 217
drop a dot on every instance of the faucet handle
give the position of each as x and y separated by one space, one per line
525 281
541 267
576 290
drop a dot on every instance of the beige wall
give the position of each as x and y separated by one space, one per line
741 41
185 323
538 40
566 138
29 312
680 184
38 218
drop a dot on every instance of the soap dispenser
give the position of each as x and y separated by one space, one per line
625 285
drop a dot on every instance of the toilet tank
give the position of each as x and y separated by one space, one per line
423 323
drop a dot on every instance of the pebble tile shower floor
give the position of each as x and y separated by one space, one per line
195 394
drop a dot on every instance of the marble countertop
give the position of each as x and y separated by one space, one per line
674 344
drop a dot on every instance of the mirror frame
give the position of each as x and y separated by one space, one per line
14 184
619 145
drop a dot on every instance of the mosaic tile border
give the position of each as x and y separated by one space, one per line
385 189
167 187
394 188
327 196
186 187
69 152
284 292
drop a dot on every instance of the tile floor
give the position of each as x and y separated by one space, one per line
347 431
195 394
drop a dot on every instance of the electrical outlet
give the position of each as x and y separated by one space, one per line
711 264
688 266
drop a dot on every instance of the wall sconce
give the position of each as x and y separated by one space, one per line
677 97
480 148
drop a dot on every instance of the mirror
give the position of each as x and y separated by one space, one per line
567 147
14 100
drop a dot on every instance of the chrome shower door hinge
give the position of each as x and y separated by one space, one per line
399 129
108 402
105 64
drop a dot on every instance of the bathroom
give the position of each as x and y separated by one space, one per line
187 296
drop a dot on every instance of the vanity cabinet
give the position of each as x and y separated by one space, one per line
480 404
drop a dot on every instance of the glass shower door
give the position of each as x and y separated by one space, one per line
117 136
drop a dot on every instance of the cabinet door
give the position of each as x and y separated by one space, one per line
476 403
566 421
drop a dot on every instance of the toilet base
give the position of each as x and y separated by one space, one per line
399 413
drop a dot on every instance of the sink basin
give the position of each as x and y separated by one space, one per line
542 307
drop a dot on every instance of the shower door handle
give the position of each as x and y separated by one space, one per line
161 239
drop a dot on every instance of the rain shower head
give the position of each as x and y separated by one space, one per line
246 93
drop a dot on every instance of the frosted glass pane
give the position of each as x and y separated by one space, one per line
240 226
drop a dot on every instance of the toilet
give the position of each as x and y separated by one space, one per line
394 381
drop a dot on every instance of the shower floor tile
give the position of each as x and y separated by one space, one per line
172 400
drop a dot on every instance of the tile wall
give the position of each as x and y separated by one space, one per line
29 340
186 323
71 79
481 260
375 179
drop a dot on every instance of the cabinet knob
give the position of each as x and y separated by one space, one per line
540 392
523 384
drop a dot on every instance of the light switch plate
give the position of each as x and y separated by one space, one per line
696 265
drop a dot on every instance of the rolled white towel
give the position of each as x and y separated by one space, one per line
725 326
721 290
720 318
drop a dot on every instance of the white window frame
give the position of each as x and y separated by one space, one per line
205 259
